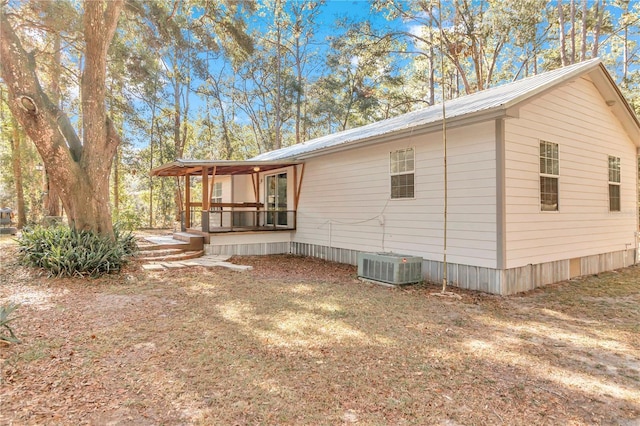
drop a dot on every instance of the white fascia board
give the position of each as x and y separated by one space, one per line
454 122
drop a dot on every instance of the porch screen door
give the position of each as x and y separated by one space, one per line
277 200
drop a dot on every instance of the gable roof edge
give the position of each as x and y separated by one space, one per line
586 68
621 108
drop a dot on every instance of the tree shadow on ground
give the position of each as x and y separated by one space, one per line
299 342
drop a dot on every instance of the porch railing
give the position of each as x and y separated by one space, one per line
240 220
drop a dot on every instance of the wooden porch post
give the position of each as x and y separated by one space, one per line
295 196
255 180
205 203
298 185
296 192
187 201
211 186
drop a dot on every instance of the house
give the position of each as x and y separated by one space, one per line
542 186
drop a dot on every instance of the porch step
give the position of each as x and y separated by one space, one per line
171 257
179 240
157 251
177 247
187 237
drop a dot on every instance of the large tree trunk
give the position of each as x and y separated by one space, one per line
226 133
116 183
80 170
572 12
278 107
52 198
563 38
299 91
16 163
177 141
432 66
596 32
583 49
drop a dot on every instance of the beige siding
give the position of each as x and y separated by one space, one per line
242 189
575 117
345 200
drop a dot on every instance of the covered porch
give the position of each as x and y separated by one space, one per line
236 196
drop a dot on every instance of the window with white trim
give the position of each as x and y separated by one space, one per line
549 176
216 194
402 168
614 184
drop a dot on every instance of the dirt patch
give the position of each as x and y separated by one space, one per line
302 341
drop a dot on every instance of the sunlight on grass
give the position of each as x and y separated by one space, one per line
39 299
297 328
211 346
601 340
564 317
204 288
302 289
538 367
6 240
329 307
237 312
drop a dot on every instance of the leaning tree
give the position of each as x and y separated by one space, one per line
79 166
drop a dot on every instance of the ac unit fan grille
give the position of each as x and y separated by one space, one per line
390 268
378 270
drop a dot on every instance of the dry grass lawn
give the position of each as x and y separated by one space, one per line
302 341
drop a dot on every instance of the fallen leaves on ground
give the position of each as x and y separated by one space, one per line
302 341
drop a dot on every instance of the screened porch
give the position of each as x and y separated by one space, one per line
261 195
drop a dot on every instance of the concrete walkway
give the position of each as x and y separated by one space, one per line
208 261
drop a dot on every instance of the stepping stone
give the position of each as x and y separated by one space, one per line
206 262
153 267
234 267
173 265
217 257
203 261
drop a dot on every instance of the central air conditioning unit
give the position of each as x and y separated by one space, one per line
390 268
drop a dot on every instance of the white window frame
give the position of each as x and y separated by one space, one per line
402 167
614 181
216 194
549 169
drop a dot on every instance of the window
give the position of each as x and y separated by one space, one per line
614 184
549 172
402 168
216 195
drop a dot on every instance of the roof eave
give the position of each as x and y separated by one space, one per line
452 122
184 167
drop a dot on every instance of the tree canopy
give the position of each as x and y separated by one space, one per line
107 90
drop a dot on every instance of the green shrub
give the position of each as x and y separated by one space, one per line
67 252
128 218
6 332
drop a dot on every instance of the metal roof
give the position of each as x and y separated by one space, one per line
185 167
494 100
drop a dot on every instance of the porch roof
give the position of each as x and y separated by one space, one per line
184 167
